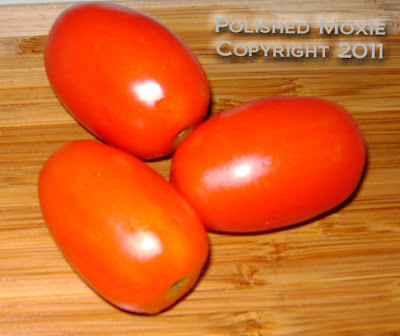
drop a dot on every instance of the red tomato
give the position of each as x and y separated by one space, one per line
127 78
270 163
127 231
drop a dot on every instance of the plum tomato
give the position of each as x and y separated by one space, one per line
270 163
125 77
123 227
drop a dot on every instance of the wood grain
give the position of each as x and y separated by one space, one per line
335 275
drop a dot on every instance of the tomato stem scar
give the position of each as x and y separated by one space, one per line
177 286
182 135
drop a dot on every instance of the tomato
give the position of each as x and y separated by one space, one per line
124 229
127 78
270 163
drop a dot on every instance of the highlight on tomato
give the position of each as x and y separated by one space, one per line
270 163
126 77
123 228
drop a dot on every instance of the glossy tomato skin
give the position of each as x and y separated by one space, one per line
122 227
270 163
127 78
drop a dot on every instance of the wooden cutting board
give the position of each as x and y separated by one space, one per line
337 275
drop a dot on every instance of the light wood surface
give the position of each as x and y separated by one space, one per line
338 275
